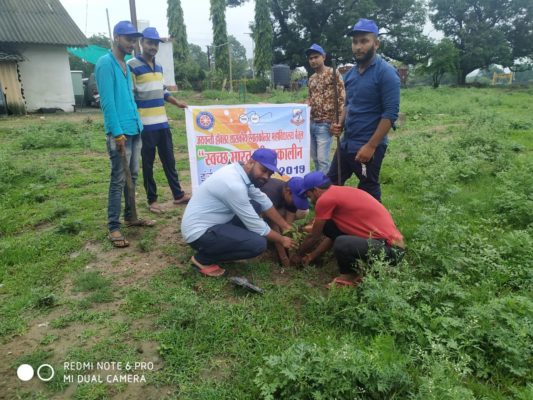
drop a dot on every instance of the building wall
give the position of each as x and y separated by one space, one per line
166 58
46 79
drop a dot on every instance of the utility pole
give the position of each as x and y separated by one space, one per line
133 16
109 27
230 69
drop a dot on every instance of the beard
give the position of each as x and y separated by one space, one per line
367 56
124 49
258 182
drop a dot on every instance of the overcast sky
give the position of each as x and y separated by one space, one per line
90 16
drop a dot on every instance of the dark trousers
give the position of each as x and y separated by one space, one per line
348 249
162 140
349 166
227 242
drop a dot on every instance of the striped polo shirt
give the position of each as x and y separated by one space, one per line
150 93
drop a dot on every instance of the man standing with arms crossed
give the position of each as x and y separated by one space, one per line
150 96
322 102
122 126
373 102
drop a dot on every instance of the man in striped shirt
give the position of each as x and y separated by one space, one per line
150 96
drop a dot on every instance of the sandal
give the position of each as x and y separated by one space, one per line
183 199
155 208
212 270
115 241
140 222
339 282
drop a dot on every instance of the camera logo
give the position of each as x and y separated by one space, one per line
45 372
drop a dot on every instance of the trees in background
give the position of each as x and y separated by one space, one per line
262 36
220 35
478 33
485 32
177 30
443 58
299 23
239 63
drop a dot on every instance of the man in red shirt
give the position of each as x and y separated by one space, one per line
357 225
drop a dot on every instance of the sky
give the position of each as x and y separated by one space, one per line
90 16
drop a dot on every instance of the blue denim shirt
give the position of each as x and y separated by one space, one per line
116 97
222 196
370 97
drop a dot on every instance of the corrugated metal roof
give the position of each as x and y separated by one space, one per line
38 21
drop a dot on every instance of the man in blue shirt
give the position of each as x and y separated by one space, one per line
372 105
220 222
122 126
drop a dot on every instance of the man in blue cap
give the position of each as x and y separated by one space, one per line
150 96
220 222
289 202
122 126
322 101
356 225
372 105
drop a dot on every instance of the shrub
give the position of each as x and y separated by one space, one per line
347 371
499 337
514 194
257 85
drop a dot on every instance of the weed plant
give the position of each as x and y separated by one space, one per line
453 321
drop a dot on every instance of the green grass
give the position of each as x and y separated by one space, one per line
453 321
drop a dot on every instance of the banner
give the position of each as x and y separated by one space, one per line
221 135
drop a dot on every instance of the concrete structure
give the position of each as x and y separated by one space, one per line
34 36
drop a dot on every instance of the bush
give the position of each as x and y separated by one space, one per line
258 85
499 337
514 195
309 371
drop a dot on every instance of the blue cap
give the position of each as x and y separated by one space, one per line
364 25
268 158
313 180
125 28
315 48
151 33
299 200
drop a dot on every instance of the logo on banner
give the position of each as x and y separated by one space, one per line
205 120
297 116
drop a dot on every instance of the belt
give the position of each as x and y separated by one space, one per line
322 121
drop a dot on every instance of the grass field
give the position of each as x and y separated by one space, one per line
453 321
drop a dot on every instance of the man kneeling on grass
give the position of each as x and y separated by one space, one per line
220 222
355 223
290 204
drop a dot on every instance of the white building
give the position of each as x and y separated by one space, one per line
34 64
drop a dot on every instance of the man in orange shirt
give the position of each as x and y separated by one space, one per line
356 224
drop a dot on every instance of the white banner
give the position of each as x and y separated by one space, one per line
220 135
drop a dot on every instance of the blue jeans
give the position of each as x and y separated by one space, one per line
368 183
117 183
320 145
